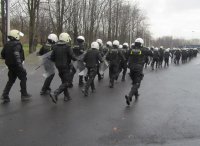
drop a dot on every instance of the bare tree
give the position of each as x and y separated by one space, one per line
33 8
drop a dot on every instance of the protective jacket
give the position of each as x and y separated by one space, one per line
62 55
92 58
13 53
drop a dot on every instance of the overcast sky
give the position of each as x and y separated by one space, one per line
177 18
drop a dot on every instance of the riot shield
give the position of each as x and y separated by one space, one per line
103 67
48 65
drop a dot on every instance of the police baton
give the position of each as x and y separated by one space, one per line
39 66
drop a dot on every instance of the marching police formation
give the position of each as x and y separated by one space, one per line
87 62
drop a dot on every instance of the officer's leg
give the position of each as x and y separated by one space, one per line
111 76
98 73
90 82
124 72
152 64
61 88
133 90
93 86
11 80
21 74
47 83
81 80
66 80
167 62
114 75
136 80
117 72
72 73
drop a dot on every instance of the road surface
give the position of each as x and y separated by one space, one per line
167 113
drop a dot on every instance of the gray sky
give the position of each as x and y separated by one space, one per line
177 18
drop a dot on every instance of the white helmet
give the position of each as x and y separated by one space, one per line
133 44
120 47
161 47
109 43
99 41
95 45
65 37
126 45
15 34
116 43
167 50
81 38
53 37
156 49
139 40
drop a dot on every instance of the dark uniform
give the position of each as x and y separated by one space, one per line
123 63
102 51
155 59
136 62
46 86
13 54
184 56
147 60
78 51
92 59
62 55
177 56
161 57
114 57
166 58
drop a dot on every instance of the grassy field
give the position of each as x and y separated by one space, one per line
26 51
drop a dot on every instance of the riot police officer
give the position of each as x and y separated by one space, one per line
62 55
166 57
155 60
107 48
114 58
100 42
123 63
78 51
177 56
92 59
136 64
13 54
51 40
161 56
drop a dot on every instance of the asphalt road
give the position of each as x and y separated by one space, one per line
167 113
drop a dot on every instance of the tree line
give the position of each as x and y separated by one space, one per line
105 19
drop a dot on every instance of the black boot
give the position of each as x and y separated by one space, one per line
54 97
5 99
67 98
46 87
127 100
85 92
25 97
45 92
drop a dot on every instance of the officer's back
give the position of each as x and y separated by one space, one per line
92 58
61 54
12 50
